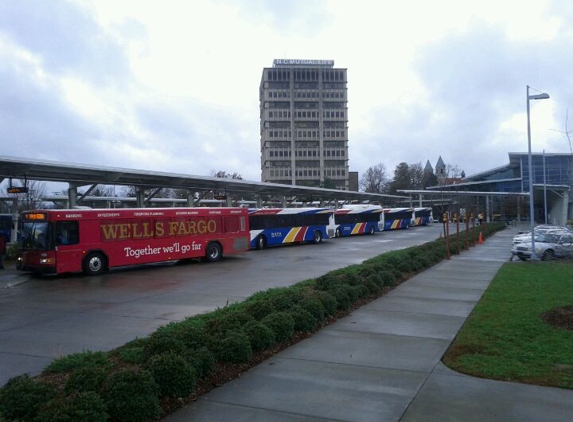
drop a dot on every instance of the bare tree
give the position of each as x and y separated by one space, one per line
222 174
99 191
179 193
452 171
131 191
32 199
102 190
375 180
416 176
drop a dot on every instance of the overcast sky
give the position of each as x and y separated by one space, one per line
173 86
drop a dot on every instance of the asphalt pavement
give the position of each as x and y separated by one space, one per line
383 362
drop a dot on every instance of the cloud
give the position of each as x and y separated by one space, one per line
35 121
471 110
66 39
173 86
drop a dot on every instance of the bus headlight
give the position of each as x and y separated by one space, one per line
47 261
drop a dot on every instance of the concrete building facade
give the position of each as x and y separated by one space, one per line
304 124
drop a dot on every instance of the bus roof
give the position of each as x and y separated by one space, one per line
273 211
366 209
67 214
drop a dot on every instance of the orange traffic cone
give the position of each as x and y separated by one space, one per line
480 239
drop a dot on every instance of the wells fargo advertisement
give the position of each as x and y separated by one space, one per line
185 233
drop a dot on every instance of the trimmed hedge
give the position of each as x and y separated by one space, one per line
260 336
235 347
78 407
281 324
169 362
328 302
174 376
87 379
131 396
77 360
22 397
202 359
303 319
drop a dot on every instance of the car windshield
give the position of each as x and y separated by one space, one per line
552 229
538 238
549 238
34 236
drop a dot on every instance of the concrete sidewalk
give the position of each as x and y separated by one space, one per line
382 363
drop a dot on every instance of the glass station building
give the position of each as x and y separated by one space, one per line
552 177
552 184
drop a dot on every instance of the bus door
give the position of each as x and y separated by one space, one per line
69 255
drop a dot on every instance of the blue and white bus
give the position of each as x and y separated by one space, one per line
423 216
358 219
398 218
279 226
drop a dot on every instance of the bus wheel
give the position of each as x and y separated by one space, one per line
95 264
261 242
337 233
214 252
317 237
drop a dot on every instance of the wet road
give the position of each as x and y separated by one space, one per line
46 318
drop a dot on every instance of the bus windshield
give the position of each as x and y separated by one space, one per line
35 235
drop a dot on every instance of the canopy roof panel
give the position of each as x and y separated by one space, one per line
79 175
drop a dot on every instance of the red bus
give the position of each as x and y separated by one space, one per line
93 241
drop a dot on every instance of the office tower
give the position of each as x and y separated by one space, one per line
304 124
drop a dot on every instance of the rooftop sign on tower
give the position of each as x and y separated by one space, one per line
297 62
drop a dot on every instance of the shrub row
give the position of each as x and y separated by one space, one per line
129 383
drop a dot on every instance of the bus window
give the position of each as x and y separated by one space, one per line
67 233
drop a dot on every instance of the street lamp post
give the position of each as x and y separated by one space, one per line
542 96
544 189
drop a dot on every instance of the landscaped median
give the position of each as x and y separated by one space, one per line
522 328
150 377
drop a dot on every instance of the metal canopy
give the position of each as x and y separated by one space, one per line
459 192
81 175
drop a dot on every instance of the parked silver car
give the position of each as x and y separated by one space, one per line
547 246
541 229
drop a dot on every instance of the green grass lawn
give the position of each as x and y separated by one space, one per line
505 337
